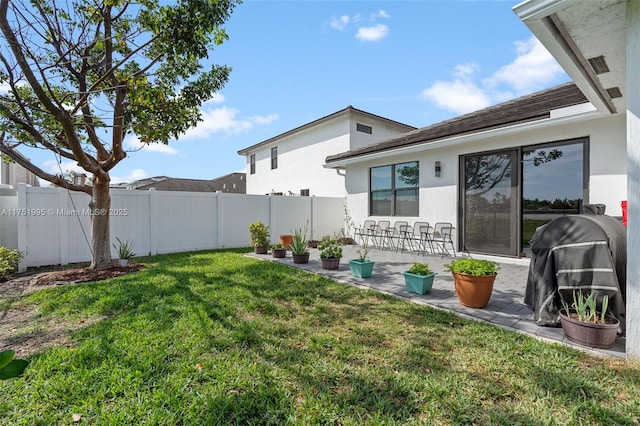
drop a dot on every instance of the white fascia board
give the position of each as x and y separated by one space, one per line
557 120
534 14
538 9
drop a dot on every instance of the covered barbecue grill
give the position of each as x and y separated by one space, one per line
577 252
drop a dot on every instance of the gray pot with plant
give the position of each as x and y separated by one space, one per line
419 278
473 280
586 322
125 251
330 252
259 237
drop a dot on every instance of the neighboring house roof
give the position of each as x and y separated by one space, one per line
528 108
348 110
233 182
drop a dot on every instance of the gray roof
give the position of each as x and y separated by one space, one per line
349 109
233 182
528 108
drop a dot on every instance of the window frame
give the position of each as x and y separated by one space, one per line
252 164
394 191
274 158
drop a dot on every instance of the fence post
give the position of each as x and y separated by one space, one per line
63 225
22 227
153 205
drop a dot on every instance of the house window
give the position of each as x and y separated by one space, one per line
252 164
304 192
274 157
364 128
394 190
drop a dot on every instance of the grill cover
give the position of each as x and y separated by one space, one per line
578 252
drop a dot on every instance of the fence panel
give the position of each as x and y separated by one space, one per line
53 225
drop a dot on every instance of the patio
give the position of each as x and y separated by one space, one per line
506 308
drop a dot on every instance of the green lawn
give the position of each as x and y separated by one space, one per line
215 338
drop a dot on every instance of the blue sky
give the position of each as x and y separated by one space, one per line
416 62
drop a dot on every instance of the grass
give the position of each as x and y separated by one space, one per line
215 338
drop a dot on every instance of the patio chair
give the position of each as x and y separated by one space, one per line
419 241
379 234
441 237
403 233
365 231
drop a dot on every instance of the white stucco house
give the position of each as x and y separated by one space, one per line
292 163
495 172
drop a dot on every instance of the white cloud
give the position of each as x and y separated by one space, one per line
264 119
133 144
134 174
340 23
533 69
458 96
374 33
367 28
52 166
225 120
379 14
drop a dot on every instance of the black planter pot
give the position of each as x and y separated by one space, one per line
300 258
593 335
330 263
279 253
260 250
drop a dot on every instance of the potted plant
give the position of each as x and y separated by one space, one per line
278 251
473 280
285 240
362 267
259 237
584 324
419 278
312 243
125 251
298 246
330 252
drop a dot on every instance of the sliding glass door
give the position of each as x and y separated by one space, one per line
490 202
505 195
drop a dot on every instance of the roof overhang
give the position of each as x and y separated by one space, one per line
577 113
588 39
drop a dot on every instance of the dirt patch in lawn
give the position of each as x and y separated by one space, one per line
23 329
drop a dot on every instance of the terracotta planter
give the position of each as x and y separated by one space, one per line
420 284
473 291
286 241
361 269
301 258
589 334
279 253
330 263
260 250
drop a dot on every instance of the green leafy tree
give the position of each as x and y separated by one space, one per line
76 77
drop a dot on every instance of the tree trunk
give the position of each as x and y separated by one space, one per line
100 205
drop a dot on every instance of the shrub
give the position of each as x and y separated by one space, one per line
420 269
9 259
474 267
330 248
258 234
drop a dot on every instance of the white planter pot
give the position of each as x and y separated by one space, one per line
123 262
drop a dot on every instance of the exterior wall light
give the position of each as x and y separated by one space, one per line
438 169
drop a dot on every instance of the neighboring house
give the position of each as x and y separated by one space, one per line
498 171
292 162
231 183
13 174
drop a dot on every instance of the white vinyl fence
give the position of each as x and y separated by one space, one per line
51 226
